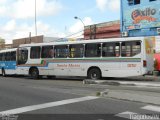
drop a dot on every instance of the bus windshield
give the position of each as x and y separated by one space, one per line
22 56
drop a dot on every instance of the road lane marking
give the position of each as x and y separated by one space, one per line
47 105
152 108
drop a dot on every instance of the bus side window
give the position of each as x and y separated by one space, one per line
35 52
126 49
8 56
117 49
93 50
13 56
136 48
130 48
5 56
76 51
51 53
61 51
1 56
47 52
111 50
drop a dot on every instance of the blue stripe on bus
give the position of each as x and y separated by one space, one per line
8 65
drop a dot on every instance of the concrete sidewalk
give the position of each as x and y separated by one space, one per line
140 96
148 97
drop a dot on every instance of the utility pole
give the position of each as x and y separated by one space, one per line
35 17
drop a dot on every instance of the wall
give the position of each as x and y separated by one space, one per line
17 42
141 19
102 30
2 46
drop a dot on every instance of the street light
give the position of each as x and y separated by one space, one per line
80 20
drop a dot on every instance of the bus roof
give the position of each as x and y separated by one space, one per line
83 41
8 50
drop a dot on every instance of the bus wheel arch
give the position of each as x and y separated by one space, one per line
34 72
94 73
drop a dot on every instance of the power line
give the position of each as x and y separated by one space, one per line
74 34
70 35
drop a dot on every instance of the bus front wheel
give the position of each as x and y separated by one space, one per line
94 74
34 73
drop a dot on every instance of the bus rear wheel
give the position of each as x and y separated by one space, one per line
94 74
34 73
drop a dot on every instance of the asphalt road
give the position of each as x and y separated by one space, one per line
65 99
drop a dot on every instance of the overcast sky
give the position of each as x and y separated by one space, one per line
55 18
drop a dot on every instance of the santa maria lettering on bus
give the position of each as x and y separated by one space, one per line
68 65
132 65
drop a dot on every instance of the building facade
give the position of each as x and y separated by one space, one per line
140 18
102 30
27 40
34 39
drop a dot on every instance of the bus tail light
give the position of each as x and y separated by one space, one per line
144 63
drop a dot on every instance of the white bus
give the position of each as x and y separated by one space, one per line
115 57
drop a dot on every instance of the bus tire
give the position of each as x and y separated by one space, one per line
34 73
3 73
94 74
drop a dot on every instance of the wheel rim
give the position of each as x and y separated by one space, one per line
34 73
94 75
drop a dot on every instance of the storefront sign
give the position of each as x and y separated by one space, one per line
139 15
142 17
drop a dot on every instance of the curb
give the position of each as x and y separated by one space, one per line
118 82
145 78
